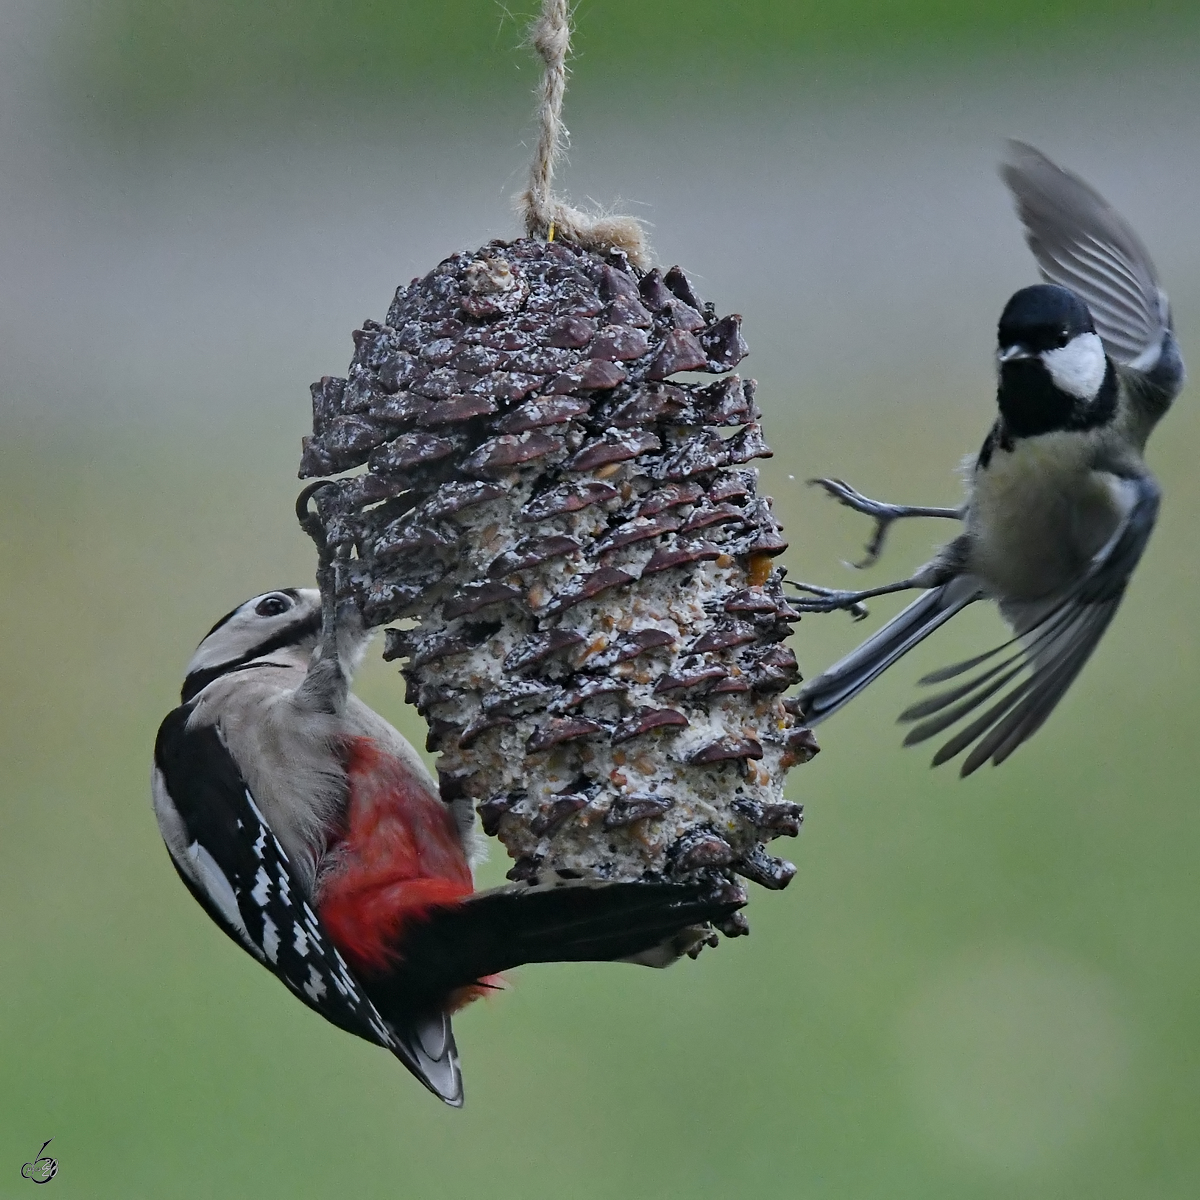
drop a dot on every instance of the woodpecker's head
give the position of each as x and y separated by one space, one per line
282 626
1054 373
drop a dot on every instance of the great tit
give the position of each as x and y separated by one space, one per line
1060 502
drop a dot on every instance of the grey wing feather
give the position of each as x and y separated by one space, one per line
1053 641
1082 243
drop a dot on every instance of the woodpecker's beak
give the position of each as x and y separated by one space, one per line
1012 353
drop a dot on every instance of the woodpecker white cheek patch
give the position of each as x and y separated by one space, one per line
1078 367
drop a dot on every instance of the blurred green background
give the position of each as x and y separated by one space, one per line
972 990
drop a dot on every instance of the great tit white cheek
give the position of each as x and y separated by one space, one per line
1078 367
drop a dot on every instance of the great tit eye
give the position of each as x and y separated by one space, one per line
272 606
1064 336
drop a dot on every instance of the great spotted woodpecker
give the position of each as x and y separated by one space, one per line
310 831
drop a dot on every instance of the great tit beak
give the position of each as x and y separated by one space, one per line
1012 353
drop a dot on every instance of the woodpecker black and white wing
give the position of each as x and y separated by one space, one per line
1082 243
1053 641
228 856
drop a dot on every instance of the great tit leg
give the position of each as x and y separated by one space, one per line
833 599
883 514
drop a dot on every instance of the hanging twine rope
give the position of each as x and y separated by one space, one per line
545 215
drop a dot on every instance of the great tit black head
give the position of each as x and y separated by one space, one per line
1054 373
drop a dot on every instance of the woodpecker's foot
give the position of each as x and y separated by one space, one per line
310 519
327 564
881 513
310 522
829 600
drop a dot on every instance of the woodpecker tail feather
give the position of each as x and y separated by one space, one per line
823 696
557 917
425 1045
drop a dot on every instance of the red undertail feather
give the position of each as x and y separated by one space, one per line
399 855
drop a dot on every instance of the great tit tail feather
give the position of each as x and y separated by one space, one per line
823 696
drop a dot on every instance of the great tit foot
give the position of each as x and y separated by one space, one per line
881 513
828 600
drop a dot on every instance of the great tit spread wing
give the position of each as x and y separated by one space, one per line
1082 243
1053 641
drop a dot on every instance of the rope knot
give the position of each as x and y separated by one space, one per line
550 36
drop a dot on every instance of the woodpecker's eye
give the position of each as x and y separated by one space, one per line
272 606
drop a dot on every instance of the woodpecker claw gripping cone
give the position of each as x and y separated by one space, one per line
573 554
